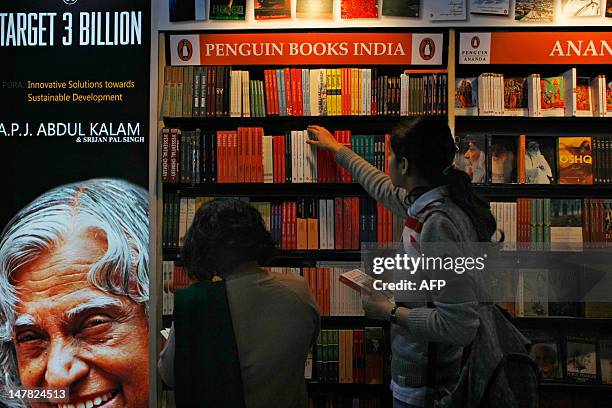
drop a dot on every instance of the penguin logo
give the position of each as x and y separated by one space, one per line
427 49
475 42
185 50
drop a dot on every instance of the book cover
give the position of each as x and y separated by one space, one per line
471 157
581 8
272 9
605 360
374 355
609 96
466 96
581 358
502 162
359 9
609 9
401 8
583 94
315 9
497 7
187 10
533 301
515 96
565 222
446 10
540 160
534 11
575 160
552 96
545 350
227 9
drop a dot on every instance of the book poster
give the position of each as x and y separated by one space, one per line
446 10
272 9
503 159
581 8
74 246
471 157
227 9
401 8
315 9
534 11
581 361
359 9
540 160
466 96
187 10
609 8
496 7
575 160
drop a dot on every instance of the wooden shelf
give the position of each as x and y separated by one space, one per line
323 190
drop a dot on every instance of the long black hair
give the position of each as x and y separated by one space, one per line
427 143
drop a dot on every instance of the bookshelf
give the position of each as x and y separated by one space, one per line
381 124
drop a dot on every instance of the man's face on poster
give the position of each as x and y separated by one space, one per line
473 153
70 334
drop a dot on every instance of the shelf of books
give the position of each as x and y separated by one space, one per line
537 119
533 133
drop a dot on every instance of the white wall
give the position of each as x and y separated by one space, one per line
337 22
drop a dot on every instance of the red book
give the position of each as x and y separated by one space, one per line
288 89
220 170
259 154
348 223
268 83
241 158
247 154
355 222
320 289
233 159
281 154
338 223
298 93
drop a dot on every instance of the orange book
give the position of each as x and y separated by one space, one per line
306 275
253 154
521 158
259 155
302 228
313 224
233 159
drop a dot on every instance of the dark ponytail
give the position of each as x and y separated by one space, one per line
428 144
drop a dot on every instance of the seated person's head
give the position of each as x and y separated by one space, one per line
225 234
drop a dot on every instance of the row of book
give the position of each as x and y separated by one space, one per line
339 223
217 91
341 400
539 223
492 94
527 159
174 276
247 155
350 356
332 297
576 357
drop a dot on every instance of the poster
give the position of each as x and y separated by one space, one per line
495 7
74 248
581 8
446 10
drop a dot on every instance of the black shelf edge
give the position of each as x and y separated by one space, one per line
321 386
323 190
286 120
532 118
567 386
321 255
562 320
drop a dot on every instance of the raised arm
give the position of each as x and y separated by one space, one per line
375 182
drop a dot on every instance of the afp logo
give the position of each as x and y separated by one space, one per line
427 49
475 42
185 50
69 2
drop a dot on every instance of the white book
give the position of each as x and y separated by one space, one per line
267 159
233 94
294 157
500 94
182 220
307 157
306 91
330 224
533 95
315 85
403 95
246 95
299 140
598 90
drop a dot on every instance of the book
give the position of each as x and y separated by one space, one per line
359 9
584 101
545 350
575 160
466 96
502 159
374 355
565 223
581 358
227 9
581 8
315 9
552 96
609 8
471 157
515 96
532 293
187 10
605 360
540 160
534 11
272 9
496 7
446 10
401 8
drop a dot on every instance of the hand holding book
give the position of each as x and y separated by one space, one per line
322 139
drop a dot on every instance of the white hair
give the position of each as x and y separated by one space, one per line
115 207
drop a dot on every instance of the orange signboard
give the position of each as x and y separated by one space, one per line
551 48
305 48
